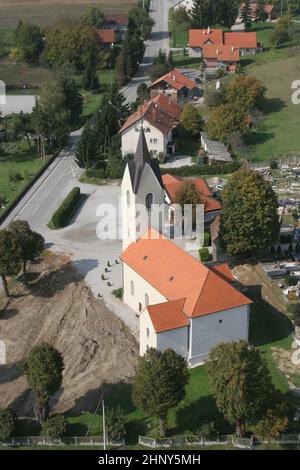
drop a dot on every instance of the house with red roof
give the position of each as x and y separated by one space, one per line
270 10
182 304
158 117
175 85
219 48
172 185
106 37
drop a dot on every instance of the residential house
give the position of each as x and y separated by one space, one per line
270 11
117 22
172 184
106 37
175 85
158 117
219 48
216 152
182 304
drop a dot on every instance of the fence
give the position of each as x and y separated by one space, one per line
288 160
193 440
48 441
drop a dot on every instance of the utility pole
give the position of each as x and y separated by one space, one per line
104 428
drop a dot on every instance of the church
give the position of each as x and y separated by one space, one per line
181 303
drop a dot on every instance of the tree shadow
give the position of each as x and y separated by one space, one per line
51 283
267 323
258 137
8 313
273 105
84 266
27 426
10 372
191 417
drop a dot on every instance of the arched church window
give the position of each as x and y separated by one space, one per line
146 300
149 201
128 198
132 288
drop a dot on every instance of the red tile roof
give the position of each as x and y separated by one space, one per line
173 184
224 271
241 40
168 315
106 35
178 275
161 112
221 53
199 37
176 79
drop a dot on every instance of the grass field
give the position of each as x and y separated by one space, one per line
19 159
46 12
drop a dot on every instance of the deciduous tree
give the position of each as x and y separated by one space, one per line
191 120
7 423
43 369
10 257
160 383
249 219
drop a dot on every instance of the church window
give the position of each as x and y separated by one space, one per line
146 300
132 288
128 198
149 201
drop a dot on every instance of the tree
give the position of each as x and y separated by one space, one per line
22 126
282 31
116 424
241 384
31 243
290 280
191 120
213 98
260 14
249 219
274 420
87 151
225 120
187 194
43 369
69 44
246 92
93 17
143 92
55 426
159 384
50 115
7 424
29 42
73 100
294 313
10 257
121 70
246 14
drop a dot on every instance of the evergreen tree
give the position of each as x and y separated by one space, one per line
73 99
10 257
159 384
246 14
260 14
43 369
90 77
242 386
87 150
121 69
249 219
7 424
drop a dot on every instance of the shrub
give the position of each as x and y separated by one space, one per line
7 424
290 280
55 426
294 312
95 173
273 165
116 424
63 214
207 240
204 255
118 293
15 176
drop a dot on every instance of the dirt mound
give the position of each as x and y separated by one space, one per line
59 308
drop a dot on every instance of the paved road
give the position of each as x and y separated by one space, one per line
38 205
159 39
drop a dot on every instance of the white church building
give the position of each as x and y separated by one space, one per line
182 304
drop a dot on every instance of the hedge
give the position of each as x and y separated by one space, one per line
197 170
204 255
65 211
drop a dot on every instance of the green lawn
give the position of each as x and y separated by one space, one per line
22 160
178 35
278 132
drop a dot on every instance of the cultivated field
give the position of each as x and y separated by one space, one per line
47 12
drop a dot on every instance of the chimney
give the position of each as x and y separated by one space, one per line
232 48
217 51
208 30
